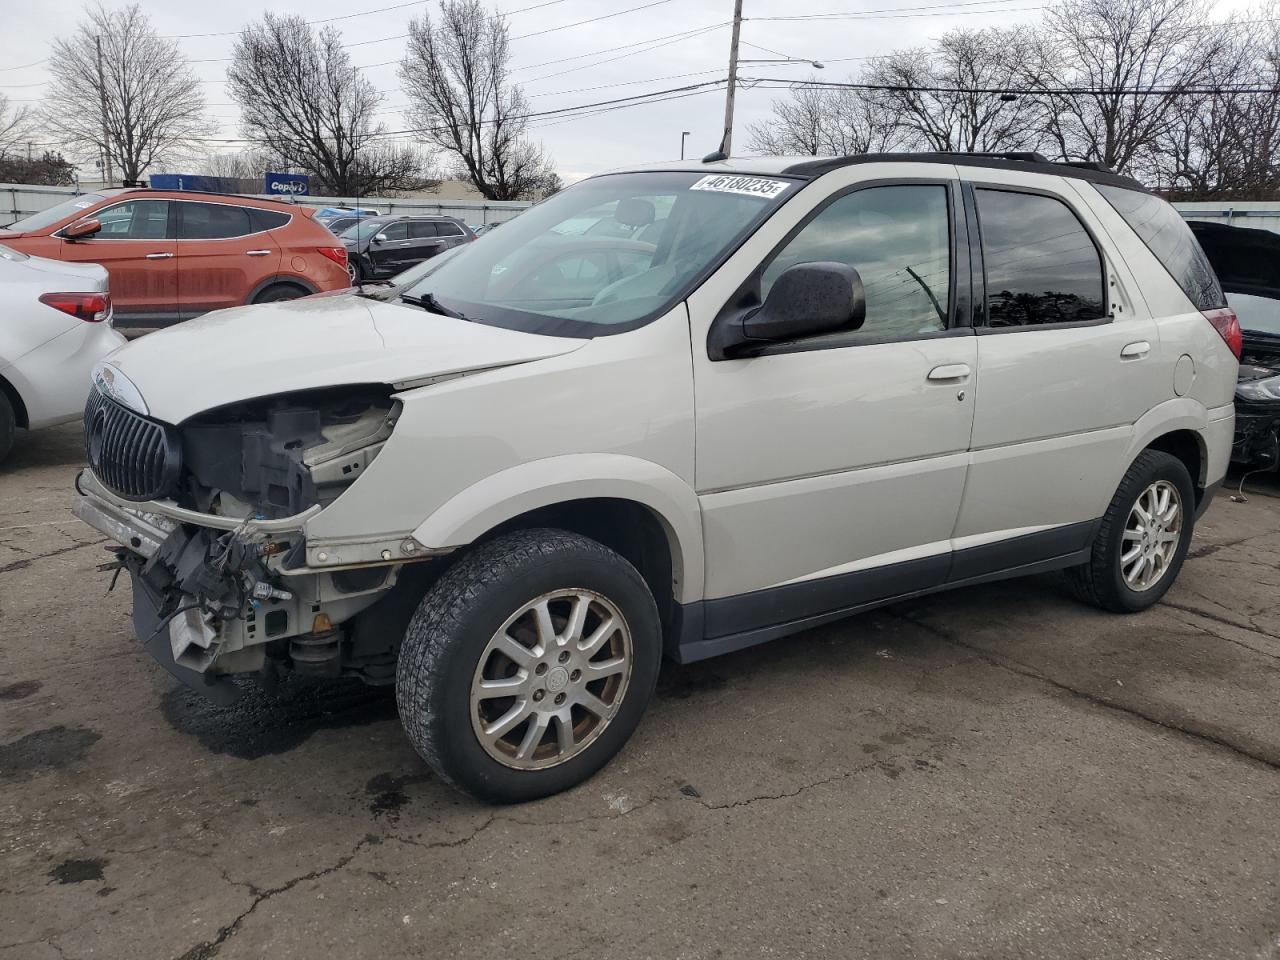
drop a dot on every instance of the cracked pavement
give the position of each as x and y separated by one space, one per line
996 773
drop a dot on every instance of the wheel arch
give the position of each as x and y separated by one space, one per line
20 416
633 506
281 280
1177 427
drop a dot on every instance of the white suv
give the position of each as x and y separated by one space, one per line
681 410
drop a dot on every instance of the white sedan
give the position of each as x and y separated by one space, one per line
56 327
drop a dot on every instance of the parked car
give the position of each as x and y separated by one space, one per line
384 246
327 214
826 385
175 254
1247 261
339 225
483 228
57 326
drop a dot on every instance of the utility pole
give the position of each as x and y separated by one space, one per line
102 99
726 144
684 135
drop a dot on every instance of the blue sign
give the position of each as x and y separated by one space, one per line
289 184
187 181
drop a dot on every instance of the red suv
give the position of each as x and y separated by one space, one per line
173 254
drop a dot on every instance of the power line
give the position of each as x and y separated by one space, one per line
778 83
579 23
639 99
858 14
623 56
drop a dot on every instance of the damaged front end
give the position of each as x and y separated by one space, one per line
1257 403
210 517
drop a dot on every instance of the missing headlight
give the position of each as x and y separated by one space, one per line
277 456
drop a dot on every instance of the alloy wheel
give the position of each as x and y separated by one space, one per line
551 679
1151 535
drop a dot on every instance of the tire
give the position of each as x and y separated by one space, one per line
279 291
450 643
8 425
1102 581
355 272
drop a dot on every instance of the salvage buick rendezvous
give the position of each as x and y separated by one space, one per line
774 393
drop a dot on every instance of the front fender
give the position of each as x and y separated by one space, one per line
543 483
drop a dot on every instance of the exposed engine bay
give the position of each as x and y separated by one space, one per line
236 597
1257 440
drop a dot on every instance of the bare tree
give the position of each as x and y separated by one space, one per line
457 78
949 98
826 121
237 164
1225 140
304 104
16 125
152 102
1102 48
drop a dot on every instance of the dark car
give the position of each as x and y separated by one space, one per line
340 225
1247 262
381 247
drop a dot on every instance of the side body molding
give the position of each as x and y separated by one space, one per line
543 483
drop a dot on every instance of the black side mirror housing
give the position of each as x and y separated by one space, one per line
806 300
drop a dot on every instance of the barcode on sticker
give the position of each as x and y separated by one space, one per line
749 186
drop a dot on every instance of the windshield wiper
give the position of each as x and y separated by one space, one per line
428 301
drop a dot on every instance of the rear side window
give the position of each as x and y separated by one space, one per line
1167 235
448 229
212 221
1042 266
422 229
267 219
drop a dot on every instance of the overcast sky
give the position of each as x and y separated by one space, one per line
581 145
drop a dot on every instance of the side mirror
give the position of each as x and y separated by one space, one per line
81 229
379 237
809 299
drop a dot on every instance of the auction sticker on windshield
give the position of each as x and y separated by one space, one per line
751 186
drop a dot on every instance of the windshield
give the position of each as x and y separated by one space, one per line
362 230
45 218
605 255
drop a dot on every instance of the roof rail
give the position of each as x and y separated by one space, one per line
1010 160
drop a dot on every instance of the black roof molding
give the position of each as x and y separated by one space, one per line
1026 161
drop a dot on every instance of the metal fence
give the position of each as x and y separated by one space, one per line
1256 214
19 200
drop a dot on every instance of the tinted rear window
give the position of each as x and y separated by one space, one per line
212 221
267 219
1167 235
1042 265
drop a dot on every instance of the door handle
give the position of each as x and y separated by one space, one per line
159 256
256 253
950 371
1136 350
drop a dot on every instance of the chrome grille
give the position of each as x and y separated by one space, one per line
132 455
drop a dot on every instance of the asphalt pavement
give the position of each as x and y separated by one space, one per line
996 773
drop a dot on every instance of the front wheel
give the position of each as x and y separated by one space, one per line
1143 538
528 665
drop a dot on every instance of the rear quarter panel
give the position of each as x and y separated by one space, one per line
300 241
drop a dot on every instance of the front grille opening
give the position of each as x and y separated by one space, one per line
134 456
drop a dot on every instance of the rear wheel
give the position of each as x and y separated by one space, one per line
279 291
1143 538
528 665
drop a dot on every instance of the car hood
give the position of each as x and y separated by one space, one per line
246 352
